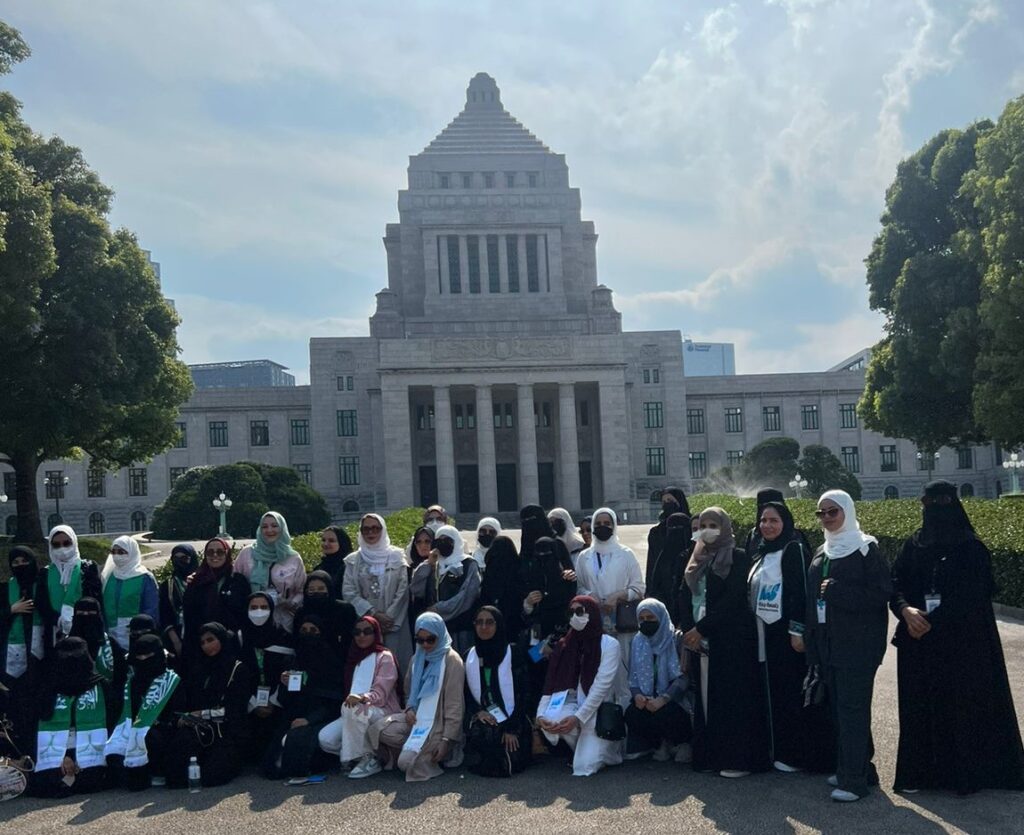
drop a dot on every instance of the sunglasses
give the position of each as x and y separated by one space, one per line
485 622
579 610
430 639
216 552
368 630
829 513
370 529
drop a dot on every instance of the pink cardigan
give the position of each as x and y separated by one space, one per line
384 690
288 579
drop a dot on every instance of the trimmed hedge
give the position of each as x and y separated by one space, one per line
999 524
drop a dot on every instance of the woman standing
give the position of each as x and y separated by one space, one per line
320 598
729 735
215 594
500 586
129 589
60 585
777 591
565 531
487 530
21 640
377 583
184 563
267 651
665 568
958 727
429 734
270 564
335 545
448 583
498 732
581 676
849 587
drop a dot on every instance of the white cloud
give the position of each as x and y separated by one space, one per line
720 30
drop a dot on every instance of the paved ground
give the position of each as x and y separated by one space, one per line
638 797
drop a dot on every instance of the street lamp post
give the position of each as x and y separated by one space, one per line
58 484
223 504
1013 466
798 484
927 460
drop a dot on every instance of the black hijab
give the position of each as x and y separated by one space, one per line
269 633
87 624
25 575
534 523
787 535
181 569
318 657
680 497
334 564
72 673
944 524
139 626
212 674
677 534
492 652
499 568
414 558
145 670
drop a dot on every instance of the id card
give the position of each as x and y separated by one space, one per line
556 704
295 682
536 653
821 610
932 602
263 696
498 713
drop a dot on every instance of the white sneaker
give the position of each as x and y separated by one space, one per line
732 774
843 796
684 753
833 780
663 754
786 769
367 768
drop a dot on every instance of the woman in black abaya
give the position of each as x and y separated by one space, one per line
958 727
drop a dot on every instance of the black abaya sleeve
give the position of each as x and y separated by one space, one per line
732 601
902 579
965 583
92 583
794 588
875 590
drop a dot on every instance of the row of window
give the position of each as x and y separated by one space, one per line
259 430
448 252
503 415
97 522
771 418
486 179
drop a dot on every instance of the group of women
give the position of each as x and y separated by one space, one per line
432 656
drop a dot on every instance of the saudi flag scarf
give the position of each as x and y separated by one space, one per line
88 714
129 737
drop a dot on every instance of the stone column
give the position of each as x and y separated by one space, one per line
529 486
446 287
614 442
486 459
503 262
464 263
399 477
569 451
444 447
523 286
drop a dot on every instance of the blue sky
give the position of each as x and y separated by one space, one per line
734 156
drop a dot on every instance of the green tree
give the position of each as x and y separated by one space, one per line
88 342
771 463
824 471
188 511
924 274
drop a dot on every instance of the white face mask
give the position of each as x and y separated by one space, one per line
579 622
62 554
435 525
258 617
706 535
122 560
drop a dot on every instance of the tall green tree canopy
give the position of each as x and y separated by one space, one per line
771 463
824 471
88 342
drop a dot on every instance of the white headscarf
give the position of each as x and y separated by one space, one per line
480 554
849 537
377 556
131 565
451 564
573 541
64 564
610 544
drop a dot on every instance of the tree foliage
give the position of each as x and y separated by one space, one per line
824 471
771 463
253 488
89 343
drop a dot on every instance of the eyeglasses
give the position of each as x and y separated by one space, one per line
215 552
370 529
430 639
579 610
368 630
828 513
484 622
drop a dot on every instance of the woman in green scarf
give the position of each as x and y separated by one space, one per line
66 580
271 565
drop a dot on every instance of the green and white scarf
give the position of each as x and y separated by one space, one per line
129 737
17 651
122 600
63 598
90 723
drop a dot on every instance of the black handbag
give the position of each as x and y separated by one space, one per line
610 724
626 622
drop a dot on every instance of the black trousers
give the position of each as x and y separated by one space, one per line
671 724
49 783
849 690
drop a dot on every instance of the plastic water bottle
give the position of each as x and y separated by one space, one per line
194 776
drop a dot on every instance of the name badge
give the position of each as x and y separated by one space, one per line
556 704
498 713
262 696
932 602
418 735
821 610
294 682
536 653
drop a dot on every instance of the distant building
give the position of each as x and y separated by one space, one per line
240 375
708 359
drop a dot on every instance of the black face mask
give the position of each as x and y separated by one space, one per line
668 508
149 668
558 526
24 574
485 540
603 532
649 627
445 547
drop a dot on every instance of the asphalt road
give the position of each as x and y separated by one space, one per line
637 797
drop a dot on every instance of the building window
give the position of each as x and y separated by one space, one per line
473 254
424 417
583 413
512 258
176 473
510 419
454 265
348 470
655 460
471 416
890 458
497 415
652 376
300 432
851 458
847 415
966 490
653 417
733 419
138 521
347 425
771 418
460 421
95 484
493 268
542 414
350 506
965 458
698 465
891 492
181 441
532 178
305 472
734 457
346 383
218 433
488 179
808 417
444 181
532 265
510 179
54 485
467 181
137 482
695 421
259 433
97 523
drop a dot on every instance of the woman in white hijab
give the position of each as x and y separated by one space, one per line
129 589
66 580
565 529
377 583
487 530
848 589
